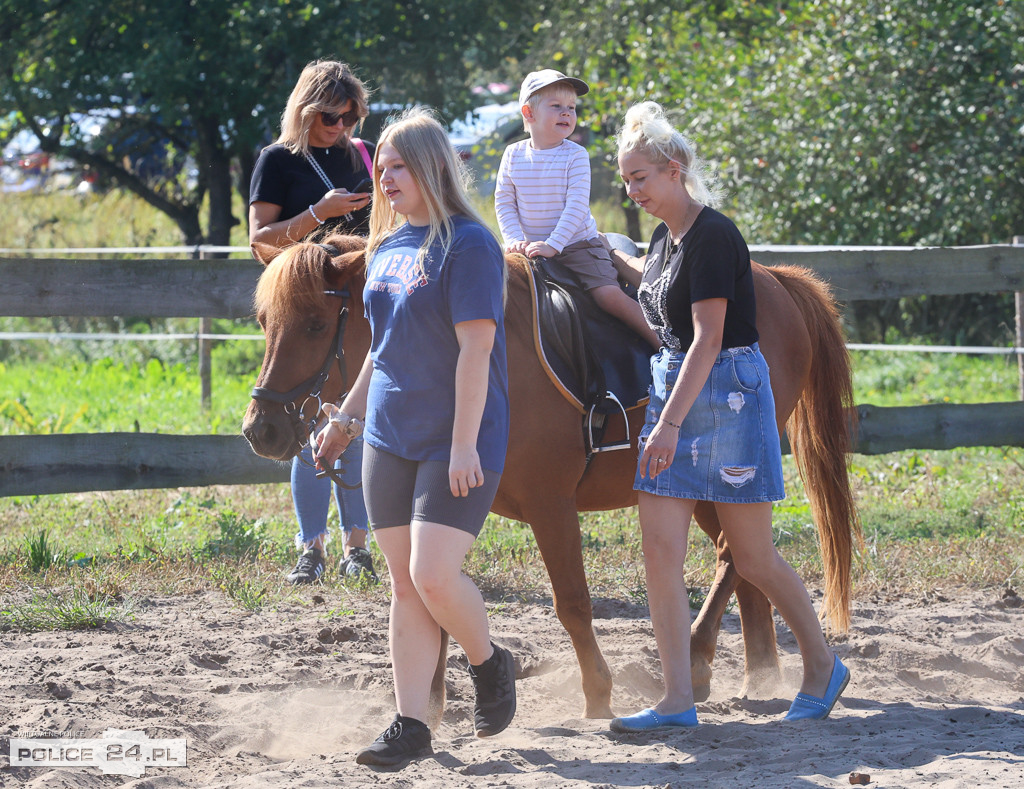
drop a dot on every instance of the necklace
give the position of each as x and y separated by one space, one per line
686 224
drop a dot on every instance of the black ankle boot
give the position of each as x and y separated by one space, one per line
495 682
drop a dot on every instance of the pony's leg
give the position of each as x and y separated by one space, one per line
761 661
761 675
556 528
436 702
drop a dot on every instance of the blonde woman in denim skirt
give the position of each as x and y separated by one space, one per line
710 433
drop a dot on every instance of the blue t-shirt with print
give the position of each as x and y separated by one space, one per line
413 310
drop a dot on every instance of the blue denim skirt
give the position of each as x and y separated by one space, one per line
728 446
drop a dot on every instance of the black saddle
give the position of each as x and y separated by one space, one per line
598 363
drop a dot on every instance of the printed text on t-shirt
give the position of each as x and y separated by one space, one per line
398 265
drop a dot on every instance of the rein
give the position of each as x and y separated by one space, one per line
310 389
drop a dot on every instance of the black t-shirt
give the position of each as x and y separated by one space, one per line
711 262
288 180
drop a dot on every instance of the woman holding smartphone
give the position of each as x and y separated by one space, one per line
316 177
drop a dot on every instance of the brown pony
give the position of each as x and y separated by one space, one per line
546 480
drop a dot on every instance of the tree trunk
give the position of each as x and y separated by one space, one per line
191 232
216 164
246 164
185 214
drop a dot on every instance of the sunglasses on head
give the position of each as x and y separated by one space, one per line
350 118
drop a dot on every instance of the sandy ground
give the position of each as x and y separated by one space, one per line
266 700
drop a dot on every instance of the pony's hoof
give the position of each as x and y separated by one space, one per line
700 676
761 684
598 710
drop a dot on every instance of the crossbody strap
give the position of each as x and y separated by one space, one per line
319 170
365 154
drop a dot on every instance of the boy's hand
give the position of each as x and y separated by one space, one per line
539 249
517 247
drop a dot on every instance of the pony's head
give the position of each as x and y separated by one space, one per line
309 303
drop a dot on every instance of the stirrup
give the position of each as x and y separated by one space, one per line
591 448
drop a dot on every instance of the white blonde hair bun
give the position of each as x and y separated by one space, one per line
647 130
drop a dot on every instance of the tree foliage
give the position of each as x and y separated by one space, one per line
861 122
848 122
167 98
851 122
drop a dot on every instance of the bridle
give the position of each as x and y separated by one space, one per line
310 389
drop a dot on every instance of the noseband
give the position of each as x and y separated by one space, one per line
310 389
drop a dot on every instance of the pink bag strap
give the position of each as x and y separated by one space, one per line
366 155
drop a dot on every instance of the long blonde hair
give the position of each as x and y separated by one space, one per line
647 130
437 171
323 86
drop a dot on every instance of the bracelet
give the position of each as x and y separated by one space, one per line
673 424
352 426
312 213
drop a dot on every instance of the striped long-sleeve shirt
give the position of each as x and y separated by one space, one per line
544 195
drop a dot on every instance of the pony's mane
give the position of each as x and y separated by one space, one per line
292 284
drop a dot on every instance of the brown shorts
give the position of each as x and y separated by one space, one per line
590 262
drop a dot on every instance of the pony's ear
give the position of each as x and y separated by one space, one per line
345 265
264 253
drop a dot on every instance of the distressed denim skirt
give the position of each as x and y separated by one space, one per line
728 446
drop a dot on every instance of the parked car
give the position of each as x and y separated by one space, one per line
482 136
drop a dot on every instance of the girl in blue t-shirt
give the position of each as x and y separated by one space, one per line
434 396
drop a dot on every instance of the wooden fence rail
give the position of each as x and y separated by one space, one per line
223 289
76 462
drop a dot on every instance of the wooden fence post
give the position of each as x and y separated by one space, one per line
205 327
1018 300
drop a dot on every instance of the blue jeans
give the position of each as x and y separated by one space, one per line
312 496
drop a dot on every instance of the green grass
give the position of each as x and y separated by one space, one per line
56 394
71 609
931 521
58 219
910 378
238 583
110 396
41 552
930 518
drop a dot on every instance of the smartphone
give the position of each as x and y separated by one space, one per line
366 185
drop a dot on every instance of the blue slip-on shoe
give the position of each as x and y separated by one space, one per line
807 706
649 720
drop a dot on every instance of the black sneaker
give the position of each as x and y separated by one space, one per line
405 739
358 564
495 683
309 568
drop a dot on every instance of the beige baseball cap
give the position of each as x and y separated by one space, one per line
536 80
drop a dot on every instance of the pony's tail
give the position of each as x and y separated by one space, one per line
822 431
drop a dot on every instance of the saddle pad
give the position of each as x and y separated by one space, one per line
572 336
